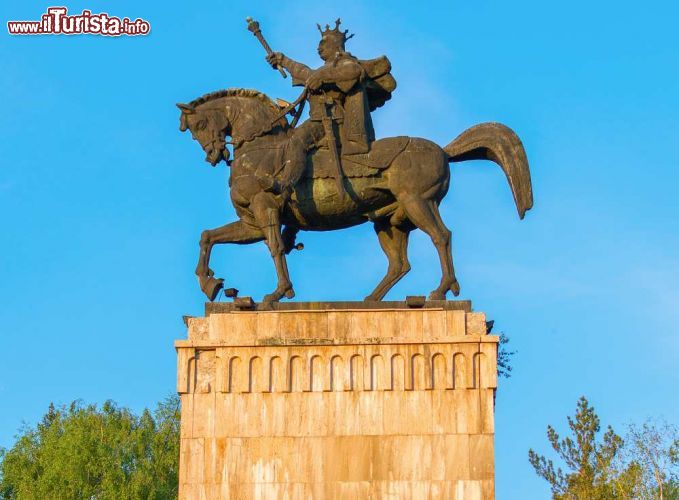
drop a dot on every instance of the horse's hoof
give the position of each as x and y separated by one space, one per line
436 295
290 294
211 287
455 288
270 298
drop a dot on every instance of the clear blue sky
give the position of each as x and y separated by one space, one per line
102 199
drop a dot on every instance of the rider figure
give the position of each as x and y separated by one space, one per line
337 90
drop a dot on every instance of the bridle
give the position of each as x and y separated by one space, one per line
218 141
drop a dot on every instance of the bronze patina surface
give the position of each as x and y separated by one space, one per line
330 172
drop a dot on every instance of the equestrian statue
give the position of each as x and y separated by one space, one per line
330 172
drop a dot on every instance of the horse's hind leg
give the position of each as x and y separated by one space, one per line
235 232
394 242
425 215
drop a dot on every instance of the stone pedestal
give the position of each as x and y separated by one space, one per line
335 400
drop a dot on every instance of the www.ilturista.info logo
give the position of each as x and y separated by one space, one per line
56 21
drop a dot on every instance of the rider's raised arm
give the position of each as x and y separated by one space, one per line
299 72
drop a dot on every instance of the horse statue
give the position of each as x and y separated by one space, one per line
398 186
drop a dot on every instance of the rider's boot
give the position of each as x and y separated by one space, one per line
293 168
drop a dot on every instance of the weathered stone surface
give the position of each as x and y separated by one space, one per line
337 403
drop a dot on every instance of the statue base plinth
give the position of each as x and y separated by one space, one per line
336 400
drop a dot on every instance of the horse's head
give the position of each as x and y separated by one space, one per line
209 125
242 114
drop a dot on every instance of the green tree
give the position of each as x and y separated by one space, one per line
82 451
654 448
642 466
504 357
591 474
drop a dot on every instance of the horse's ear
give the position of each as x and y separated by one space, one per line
186 108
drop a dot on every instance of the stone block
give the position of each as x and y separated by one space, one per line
336 401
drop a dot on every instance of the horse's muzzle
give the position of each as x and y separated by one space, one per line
214 156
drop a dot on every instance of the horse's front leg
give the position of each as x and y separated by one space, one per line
235 232
267 214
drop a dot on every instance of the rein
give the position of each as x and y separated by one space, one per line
301 100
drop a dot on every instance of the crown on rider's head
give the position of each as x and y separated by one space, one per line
334 35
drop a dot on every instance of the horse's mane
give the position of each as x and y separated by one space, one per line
235 93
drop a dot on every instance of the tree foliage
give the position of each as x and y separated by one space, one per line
504 357
82 451
610 468
654 447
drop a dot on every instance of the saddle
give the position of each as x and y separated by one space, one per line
320 164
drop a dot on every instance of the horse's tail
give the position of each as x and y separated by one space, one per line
498 143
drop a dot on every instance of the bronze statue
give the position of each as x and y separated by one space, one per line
330 172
